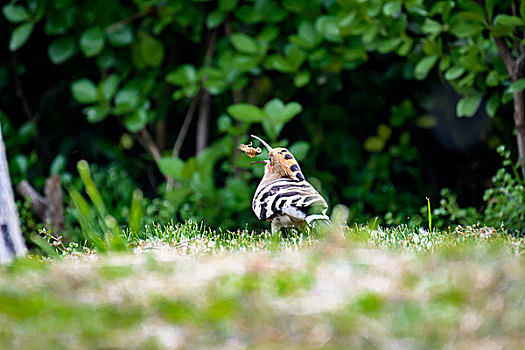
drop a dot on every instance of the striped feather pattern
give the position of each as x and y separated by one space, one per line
287 197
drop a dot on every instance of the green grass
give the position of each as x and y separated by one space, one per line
187 286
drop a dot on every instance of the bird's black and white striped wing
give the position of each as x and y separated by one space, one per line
285 194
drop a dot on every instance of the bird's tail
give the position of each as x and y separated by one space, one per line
314 217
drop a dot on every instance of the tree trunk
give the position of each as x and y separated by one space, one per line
514 66
519 124
202 123
11 241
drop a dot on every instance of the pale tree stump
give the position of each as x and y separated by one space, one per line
11 240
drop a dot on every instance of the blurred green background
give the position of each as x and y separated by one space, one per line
383 103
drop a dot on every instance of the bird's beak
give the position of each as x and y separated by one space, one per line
264 143
259 161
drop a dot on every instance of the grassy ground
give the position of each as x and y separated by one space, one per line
186 286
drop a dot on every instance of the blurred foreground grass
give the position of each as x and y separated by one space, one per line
186 286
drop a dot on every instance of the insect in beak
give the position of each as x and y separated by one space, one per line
265 145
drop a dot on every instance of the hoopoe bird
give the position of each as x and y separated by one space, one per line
283 196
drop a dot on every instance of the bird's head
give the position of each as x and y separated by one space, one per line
281 163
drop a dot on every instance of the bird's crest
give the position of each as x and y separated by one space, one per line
281 162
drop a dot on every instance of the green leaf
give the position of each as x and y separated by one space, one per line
489 9
516 86
385 46
182 76
271 129
61 49
126 101
92 41
21 163
307 37
374 144
96 114
136 212
120 36
20 35
492 78
59 23
151 50
136 121
243 43
300 150
499 31
58 165
268 34
470 6
392 8
247 113
454 73
171 167
281 114
506 20
279 63
294 56
472 16
464 29
227 5
384 131
492 105
215 18
424 66
84 91
444 62
405 47
301 79
328 27
468 106
245 63
15 13
431 27
188 170
109 86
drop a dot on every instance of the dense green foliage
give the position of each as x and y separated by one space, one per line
159 94
505 202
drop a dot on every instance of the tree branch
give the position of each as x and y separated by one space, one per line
147 142
202 122
20 91
37 202
111 28
182 134
185 125
506 55
205 101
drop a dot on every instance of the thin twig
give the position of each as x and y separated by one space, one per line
237 97
182 135
20 91
205 101
185 125
202 122
111 28
515 9
145 139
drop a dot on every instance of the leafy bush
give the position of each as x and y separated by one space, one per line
504 202
506 199
167 90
